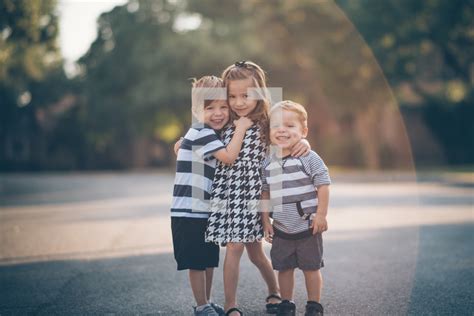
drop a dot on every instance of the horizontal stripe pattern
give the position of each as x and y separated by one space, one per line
195 167
292 183
286 218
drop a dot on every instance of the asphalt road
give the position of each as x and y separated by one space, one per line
100 244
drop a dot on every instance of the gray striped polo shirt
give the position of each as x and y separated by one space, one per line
292 183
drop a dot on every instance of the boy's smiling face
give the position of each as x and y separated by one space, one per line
286 129
216 114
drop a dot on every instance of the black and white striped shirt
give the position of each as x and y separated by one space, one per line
195 168
292 183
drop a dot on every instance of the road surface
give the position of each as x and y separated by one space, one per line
100 244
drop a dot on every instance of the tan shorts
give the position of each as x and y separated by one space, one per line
305 253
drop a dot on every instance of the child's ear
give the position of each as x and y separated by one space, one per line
305 132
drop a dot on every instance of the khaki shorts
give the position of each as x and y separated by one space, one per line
305 253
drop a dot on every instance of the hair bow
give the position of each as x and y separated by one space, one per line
241 64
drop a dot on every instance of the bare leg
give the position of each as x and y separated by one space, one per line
231 273
209 277
287 283
314 284
197 279
260 260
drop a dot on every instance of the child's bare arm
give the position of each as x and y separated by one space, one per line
177 145
231 151
267 225
320 223
302 148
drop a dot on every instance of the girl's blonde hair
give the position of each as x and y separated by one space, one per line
243 70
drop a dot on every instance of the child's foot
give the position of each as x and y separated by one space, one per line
219 309
286 308
314 309
205 310
273 300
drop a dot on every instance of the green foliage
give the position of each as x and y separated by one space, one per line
28 40
136 75
424 40
29 59
426 50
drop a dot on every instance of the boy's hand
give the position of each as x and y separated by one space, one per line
319 224
177 145
243 122
268 232
301 148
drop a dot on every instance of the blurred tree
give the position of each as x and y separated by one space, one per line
311 50
130 82
135 80
131 98
29 64
426 50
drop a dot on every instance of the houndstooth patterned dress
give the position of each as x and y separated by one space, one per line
236 191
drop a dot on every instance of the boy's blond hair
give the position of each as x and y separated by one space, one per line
205 91
293 107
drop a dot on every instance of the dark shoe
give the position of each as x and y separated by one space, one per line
272 308
286 308
219 309
207 311
314 309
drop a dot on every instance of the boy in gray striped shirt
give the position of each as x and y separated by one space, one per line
298 192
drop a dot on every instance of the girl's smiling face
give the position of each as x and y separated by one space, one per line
241 100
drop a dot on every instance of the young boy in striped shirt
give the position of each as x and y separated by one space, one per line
195 166
298 192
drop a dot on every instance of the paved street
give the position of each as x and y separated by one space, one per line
100 243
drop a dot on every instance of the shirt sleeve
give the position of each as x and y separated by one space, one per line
317 169
207 143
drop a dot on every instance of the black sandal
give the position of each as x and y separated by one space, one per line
272 308
234 309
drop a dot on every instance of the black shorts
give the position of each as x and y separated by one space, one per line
190 249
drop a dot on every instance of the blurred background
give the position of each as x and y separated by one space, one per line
94 93
387 84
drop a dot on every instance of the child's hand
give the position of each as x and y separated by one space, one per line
301 148
268 232
177 145
319 224
243 122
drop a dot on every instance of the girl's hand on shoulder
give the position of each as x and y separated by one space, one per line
177 145
302 148
243 122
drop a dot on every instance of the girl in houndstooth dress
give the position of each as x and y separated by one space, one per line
236 191
233 219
